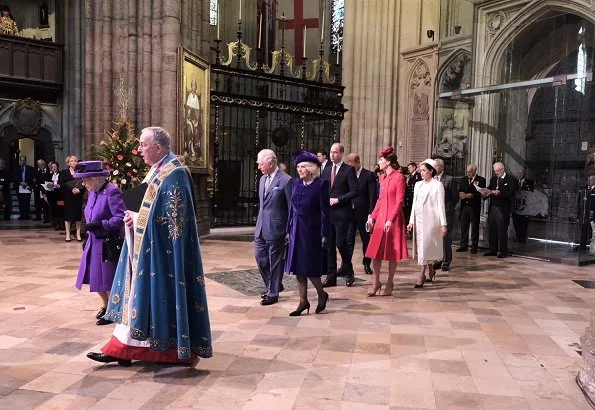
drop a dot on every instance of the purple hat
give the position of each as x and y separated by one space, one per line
88 169
305 156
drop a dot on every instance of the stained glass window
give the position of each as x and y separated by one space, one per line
214 6
338 18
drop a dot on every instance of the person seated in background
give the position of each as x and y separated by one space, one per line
8 26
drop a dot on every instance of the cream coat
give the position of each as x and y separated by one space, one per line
428 215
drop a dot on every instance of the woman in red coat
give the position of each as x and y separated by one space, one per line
387 222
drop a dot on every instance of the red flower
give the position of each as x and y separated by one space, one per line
120 157
134 152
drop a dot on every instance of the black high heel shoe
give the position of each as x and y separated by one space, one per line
416 286
322 303
301 307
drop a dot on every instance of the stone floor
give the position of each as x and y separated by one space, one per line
490 334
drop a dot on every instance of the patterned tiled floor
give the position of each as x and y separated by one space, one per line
490 334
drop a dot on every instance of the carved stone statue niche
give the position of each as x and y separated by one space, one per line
451 143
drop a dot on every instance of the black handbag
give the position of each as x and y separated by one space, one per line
112 246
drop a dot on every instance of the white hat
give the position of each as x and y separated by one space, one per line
431 163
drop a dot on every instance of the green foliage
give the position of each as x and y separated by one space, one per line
118 151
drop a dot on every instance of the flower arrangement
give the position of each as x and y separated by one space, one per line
118 152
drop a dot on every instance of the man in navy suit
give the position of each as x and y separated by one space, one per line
363 204
451 197
23 182
274 191
343 181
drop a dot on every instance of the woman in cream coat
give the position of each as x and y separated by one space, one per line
428 221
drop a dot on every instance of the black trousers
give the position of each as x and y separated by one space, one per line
41 206
586 233
24 205
521 225
360 222
7 205
498 227
447 241
342 237
470 218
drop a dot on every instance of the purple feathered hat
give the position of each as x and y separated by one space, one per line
305 156
88 169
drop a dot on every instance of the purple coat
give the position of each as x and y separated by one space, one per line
105 206
309 221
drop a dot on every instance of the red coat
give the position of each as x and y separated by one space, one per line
391 246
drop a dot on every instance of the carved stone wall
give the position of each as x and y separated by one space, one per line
419 130
139 40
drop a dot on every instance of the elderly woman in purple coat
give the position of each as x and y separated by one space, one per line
104 214
308 229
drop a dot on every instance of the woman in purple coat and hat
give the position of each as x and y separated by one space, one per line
308 229
104 214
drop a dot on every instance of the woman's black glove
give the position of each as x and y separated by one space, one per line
324 242
93 226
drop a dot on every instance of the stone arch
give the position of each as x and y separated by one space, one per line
456 70
496 50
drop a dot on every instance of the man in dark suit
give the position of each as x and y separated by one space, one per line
470 210
521 222
274 193
500 191
42 174
323 158
451 197
6 202
586 211
24 181
343 182
414 177
363 204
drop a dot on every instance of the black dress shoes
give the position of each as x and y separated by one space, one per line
100 313
461 249
266 301
368 269
329 282
445 268
103 358
350 280
502 255
102 322
264 294
490 253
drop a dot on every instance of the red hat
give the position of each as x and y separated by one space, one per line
386 152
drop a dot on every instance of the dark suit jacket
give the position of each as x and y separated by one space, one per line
466 188
527 185
411 181
17 177
40 178
451 196
365 201
507 187
5 180
344 189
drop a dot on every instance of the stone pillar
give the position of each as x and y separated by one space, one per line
586 376
370 76
72 103
140 40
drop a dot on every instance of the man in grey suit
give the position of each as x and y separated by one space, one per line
451 197
274 191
